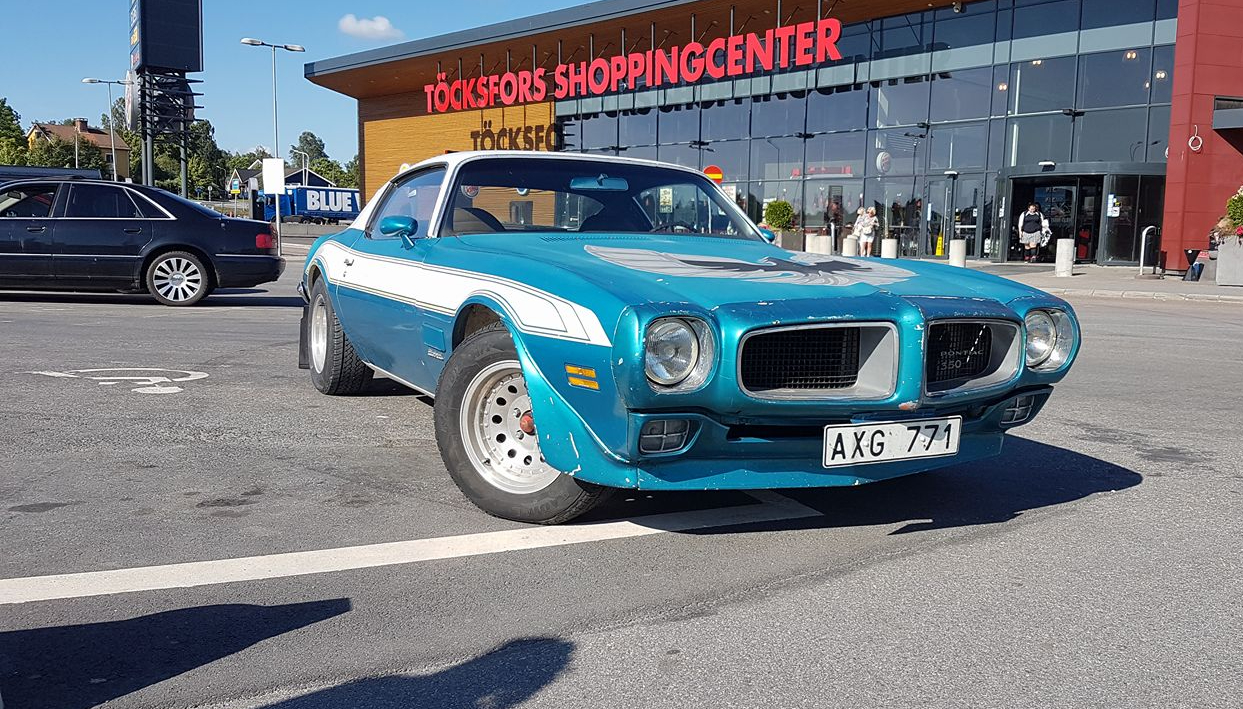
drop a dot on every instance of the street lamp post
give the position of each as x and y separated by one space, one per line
276 130
112 129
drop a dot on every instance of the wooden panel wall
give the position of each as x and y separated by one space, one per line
389 138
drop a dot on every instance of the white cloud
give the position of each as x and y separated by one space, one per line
377 27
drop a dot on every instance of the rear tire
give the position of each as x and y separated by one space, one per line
335 368
178 279
479 411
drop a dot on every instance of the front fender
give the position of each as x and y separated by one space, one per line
561 408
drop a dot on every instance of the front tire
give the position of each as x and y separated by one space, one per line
335 368
178 278
485 432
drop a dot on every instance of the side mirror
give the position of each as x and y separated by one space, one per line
397 225
768 235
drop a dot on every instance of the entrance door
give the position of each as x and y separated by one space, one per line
1072 206
1132 204
952 213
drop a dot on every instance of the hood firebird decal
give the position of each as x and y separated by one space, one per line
800 269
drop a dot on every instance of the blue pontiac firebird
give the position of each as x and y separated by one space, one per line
589 323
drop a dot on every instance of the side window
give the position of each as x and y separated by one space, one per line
100 202
415 196
27 202
146 208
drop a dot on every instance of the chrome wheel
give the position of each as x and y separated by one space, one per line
498 430
177 279
319 334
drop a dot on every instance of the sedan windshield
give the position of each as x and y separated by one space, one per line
589 196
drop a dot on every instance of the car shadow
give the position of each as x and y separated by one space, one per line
503 678
79 666
1027 476
231 298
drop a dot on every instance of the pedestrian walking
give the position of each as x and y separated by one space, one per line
867 231
1032 229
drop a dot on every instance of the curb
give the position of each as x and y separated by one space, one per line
1135 294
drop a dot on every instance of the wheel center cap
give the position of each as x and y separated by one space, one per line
526 423
178 279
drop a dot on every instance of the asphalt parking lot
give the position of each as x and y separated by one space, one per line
1097 563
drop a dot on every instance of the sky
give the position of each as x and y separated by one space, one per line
46 59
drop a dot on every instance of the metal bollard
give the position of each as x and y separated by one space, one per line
1065 265
850 246
958 253
888 248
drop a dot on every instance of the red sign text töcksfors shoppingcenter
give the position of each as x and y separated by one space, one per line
803 44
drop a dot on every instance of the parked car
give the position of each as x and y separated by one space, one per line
586 324
89 235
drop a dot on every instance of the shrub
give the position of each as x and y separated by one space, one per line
1234 209
779 215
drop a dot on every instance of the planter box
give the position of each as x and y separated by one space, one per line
1230 263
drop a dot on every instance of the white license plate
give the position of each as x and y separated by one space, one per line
859 444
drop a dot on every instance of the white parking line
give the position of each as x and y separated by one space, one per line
773 508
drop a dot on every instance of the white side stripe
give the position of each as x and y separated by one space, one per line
444 290
775 508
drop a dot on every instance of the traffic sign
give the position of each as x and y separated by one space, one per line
715 174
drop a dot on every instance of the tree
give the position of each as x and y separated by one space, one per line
60 153
131 138
330 170
352 176
10 122
310 144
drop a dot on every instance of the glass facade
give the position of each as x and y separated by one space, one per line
931 149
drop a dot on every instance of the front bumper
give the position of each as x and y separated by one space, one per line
773 454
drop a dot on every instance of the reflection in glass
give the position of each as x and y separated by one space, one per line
836 154
637 127
678 124
1045 18
1111 13
899 36
685 155
898 210
779 114
1158 133
1034 139
732 156
841 108
598 131
962 94
895 152
776 158
974 25
1117 136
899 102
723 120
1042 85
1162 74
831 206
958 147
1114 78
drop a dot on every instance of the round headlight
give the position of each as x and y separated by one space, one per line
1041 337
671 351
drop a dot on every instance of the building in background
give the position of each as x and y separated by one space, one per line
948 117
103 139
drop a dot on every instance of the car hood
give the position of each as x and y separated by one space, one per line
714 271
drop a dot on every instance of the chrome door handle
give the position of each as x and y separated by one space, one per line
349 262
36 229
132 230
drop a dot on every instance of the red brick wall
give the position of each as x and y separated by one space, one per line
1208 62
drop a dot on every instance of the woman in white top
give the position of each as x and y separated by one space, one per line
866 226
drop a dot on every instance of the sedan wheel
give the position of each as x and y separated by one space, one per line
178 278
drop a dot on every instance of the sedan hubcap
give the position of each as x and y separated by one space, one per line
177 279
499 431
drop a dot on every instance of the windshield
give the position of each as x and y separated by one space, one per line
589 196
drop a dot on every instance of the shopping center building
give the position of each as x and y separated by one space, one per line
948 117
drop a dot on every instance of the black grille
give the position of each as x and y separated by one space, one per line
804 359
958 351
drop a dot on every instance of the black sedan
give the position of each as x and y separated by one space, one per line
88 235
